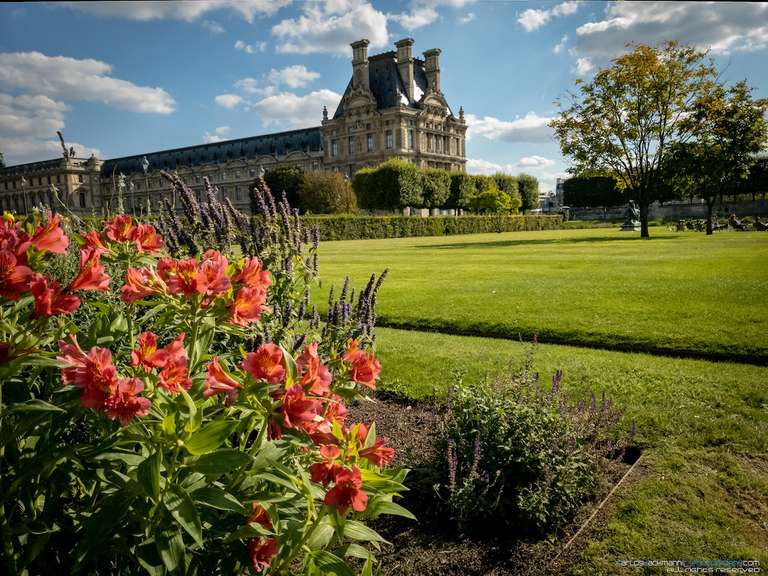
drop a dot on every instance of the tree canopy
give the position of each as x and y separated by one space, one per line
624 120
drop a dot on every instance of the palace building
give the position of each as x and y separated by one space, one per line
393 107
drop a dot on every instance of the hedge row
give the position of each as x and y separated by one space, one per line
367 227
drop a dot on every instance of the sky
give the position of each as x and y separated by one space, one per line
122 78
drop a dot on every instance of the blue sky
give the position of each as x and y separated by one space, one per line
123 78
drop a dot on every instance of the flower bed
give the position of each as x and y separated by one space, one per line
169 407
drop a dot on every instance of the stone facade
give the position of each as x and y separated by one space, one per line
392 107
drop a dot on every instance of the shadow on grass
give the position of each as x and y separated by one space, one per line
535 242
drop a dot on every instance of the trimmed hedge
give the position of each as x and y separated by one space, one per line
369 227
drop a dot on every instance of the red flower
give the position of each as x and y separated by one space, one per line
125 403
94 243
248 306
174 377
346 491
50 237
91 275
9 233
378 453
365 368
14 279
262 550
265 364
182 276
140 284
324 472
259 515
316 378
297 409
146 238
93 372
147 347
218 381
253 276
119 229
173 353
49 300
214 269
336 411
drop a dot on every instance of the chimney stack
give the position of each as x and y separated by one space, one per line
432 68
360 64
405 64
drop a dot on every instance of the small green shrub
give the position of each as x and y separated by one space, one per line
326 193
521 458
491 201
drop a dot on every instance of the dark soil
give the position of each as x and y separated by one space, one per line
428 547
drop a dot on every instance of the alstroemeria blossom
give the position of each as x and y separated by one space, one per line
253 275
297 409
14 278
91 275
94 372
119 228
266 363
140 283
49 300
146 238
214 269
347 491
262 550
248 306
379 454
365 367
125 403
315 377
145 351
50 238
218 381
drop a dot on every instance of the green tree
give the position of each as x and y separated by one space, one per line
435 187
528 187
626 118
462 190
591 192
491 201
286 179
727 128
327 193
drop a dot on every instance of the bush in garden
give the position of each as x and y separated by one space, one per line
491 201
528 188
172 408
435 187
326 193
462 190
521 458
288 180
391 185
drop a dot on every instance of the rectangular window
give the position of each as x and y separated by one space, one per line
390 141
351 145
82 199
369 141
410 139
238 193
334 148
79 177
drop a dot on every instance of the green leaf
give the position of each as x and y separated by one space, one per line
148 475
221 462
379 507
355 530
268 456
210 436
130 458
34 406
357 551
170 545
149 557
321 535
290 364
218 498
183 510
195 415
370 439
331 564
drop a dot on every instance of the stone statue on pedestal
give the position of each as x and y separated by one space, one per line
631 218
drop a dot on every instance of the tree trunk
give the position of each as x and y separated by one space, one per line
710 206
644 220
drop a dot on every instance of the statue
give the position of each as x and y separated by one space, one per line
145 164
325 113
631 218
260 172
63 146
461 113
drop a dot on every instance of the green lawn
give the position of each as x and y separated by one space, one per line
677 292
703 427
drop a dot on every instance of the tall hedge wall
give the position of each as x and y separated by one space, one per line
366 227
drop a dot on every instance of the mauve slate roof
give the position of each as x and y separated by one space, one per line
386 83
306 139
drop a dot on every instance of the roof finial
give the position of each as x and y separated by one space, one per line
325 113
461 113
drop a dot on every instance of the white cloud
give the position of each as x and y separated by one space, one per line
419 17
296 76
213 27
723 27
22 150
289 110
255 87
533 19
31 116
331 27
480 166
250 48
583 66
529 128
560 46
528 162
228 100
220 133
73 79
179 10
467 18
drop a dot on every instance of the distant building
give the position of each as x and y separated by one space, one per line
393 107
